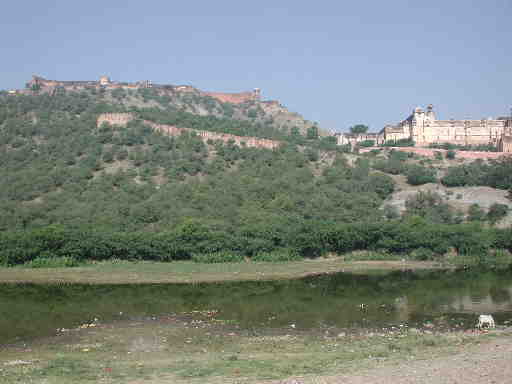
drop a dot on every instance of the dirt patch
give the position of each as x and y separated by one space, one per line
460 198
489 362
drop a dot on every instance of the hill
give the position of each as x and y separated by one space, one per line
245 106
73 187
58 167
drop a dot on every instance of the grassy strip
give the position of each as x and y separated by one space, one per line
194 350
124 272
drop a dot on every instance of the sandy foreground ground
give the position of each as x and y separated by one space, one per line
490 362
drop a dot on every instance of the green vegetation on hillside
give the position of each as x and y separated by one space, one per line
494 173
479 147
71 189
396 163
58 168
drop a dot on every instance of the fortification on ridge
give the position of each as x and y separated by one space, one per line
41 84
421 127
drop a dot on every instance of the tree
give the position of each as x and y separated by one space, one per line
366 143
312 133
418 175
475 213
497 212
391 212
429 205
451 154
358 129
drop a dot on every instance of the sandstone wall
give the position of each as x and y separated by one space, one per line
254 142
104 82
121 119
396 133
234 98
115 118
462 132
423 127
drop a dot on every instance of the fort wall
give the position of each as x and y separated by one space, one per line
121 119
235 98
104 82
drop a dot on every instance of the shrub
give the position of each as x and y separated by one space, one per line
217 257
390 212
366 143
370 255
279 255
399 143
451 154
429 205
422 254
394 164
418 175
503 238
497 212
52 262
499 258
475 213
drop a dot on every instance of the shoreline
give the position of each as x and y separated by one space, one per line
184 272
191 349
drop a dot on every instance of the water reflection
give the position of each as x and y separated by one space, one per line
341 300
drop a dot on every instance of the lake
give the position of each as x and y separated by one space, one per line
434 299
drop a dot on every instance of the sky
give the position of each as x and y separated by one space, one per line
338 63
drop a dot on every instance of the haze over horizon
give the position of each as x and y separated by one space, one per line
335 63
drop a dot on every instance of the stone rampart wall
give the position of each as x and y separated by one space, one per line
234 98
253 142
115 118
121 119
45 85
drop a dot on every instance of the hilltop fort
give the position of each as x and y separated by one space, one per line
421 127
43 85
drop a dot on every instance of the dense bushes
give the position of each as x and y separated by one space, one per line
399 143
430 206
495 173
451 147
19 247
418 174
218 257
395 164
410 235
414 236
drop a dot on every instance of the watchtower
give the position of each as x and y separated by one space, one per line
256 94
104 80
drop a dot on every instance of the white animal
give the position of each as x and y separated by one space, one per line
485 321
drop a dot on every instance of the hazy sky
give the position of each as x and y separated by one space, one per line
337 62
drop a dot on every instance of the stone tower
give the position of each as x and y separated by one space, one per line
430 115
104 80
256 94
